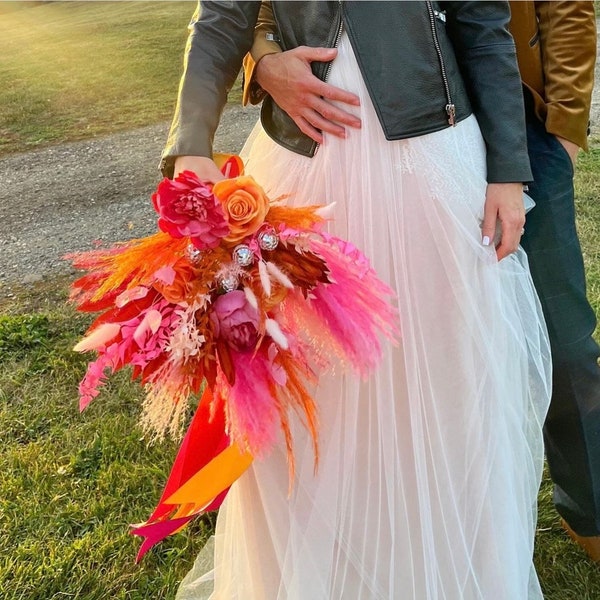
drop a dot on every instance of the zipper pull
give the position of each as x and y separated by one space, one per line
451 112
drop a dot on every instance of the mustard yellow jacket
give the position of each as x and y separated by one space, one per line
556 51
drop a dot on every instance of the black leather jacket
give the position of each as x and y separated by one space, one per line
426 65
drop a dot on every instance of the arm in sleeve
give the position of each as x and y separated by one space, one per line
221 34
265 36
568 44
486 55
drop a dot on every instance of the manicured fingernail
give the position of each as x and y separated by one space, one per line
486 240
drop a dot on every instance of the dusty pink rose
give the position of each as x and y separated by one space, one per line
235 321
188 208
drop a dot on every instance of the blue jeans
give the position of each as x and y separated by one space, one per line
572 428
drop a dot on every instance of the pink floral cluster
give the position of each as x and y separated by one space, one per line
187 207
138 340
235 321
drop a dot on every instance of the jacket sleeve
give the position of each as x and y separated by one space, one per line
568 41
265 36
221 34
486 55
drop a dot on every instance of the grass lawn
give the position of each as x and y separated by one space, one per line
72 70
72 483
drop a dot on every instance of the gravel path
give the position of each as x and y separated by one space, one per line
73 196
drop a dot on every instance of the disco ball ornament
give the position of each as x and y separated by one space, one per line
228 283
268 239
243 255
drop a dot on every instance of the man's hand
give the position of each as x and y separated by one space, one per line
504 204
288 79
571 148
204 167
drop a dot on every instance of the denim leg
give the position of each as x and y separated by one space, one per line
572 428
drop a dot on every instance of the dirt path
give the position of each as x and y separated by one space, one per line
67 198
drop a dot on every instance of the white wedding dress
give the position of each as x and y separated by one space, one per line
429 470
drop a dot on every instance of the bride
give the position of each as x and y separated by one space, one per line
427 485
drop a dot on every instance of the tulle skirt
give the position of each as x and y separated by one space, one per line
429 471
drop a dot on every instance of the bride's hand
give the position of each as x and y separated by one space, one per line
204 167
503 203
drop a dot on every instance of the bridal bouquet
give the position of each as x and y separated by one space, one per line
241 301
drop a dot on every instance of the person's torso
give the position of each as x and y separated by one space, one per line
405 58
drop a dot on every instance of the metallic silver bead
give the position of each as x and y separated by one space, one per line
243 255
193 253
228 283
268 239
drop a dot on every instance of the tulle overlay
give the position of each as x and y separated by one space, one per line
429 470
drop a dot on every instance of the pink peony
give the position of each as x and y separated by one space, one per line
235 321
188 208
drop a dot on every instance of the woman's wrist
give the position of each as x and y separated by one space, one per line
204 167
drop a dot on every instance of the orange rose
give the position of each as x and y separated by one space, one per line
245 205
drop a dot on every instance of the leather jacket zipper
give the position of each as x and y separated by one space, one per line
450 107
328 70
336 41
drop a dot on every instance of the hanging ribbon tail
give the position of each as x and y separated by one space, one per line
204 469
156 532
231 165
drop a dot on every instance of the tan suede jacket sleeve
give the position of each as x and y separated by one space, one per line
263 44
556 50
568 40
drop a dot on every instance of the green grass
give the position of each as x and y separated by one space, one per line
73 70
71 483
